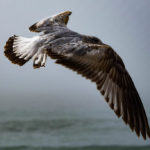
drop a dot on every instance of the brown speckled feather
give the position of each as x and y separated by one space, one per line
102 65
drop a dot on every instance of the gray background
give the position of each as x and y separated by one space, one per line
125 25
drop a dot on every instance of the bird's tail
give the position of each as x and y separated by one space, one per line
19 50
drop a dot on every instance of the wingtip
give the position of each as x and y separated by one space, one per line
148 133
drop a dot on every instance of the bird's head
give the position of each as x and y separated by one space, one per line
59 19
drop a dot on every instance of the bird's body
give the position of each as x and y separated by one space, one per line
88 56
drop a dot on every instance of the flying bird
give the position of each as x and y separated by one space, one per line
88 56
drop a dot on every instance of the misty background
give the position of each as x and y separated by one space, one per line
125 25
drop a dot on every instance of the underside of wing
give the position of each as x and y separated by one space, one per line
102 65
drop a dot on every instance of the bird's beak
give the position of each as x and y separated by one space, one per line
33 28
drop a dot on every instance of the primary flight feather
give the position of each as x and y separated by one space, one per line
88 56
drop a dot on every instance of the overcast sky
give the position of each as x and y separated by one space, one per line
125 25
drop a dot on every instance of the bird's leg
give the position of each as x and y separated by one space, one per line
40 58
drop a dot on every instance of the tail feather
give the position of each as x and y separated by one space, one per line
11 55
19 50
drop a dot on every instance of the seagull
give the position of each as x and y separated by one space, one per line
89 57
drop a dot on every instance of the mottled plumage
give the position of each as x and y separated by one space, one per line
88 56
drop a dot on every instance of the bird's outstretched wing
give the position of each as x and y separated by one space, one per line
102 65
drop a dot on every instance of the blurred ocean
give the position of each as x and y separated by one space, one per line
43 125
